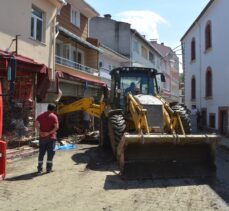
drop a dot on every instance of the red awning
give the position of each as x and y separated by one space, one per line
81 79
24 62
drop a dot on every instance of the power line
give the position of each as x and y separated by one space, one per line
176 47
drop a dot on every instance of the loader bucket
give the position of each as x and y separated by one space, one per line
166 156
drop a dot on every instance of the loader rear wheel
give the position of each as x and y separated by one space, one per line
185 119
104 140
117 126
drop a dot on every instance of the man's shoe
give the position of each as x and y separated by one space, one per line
39 172
49 171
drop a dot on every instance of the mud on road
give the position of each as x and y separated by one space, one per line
87 179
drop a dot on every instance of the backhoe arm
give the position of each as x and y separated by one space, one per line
84 104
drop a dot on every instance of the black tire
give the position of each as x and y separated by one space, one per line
104 139
185 119
117 126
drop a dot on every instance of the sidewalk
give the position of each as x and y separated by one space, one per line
26 151
19 153
224 142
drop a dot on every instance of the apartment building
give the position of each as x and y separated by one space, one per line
119 37
205 59
108 60
77 57
169 65
27 34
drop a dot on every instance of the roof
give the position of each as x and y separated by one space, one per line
84 8
164 50
113 53
135 32
89 6
198 18
79 39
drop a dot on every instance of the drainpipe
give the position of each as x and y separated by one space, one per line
54 35
131 47
200 66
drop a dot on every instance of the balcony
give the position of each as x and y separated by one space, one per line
76 66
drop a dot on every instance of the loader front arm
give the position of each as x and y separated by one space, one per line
138 114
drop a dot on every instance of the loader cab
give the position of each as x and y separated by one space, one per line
136 80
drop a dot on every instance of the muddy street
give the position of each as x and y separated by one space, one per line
87 179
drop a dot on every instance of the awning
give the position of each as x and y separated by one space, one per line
23 66
24 63
81 79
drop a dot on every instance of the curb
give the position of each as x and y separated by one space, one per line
225 147
224 143
20 154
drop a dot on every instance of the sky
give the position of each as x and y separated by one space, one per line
164 20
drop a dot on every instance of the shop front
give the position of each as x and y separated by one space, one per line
73 88
23 82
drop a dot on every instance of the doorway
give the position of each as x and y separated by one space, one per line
223 120
203 118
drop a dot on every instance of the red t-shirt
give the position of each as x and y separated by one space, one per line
47 121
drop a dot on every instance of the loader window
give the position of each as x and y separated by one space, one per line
136 83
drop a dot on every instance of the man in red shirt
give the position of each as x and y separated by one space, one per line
47 124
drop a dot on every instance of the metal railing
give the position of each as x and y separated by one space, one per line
75 65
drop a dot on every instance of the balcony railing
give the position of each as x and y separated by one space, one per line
75 65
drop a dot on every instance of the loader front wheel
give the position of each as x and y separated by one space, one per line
117 126
185 119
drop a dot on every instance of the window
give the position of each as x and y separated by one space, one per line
136 46
139 81
212 120
208 82
37 19
100 64
193 49
151 57
144 52
80 57
208 36
193 88
74 54
66 51
75 17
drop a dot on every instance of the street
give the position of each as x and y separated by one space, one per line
87 179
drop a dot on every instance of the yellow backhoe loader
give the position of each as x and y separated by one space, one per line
149 137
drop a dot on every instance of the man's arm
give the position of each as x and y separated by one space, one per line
56 127
37 126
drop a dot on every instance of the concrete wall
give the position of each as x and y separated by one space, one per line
113 34
15 18
216 58
137 56
108 62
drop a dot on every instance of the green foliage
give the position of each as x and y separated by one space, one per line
181 77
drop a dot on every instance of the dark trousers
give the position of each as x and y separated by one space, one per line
49 147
